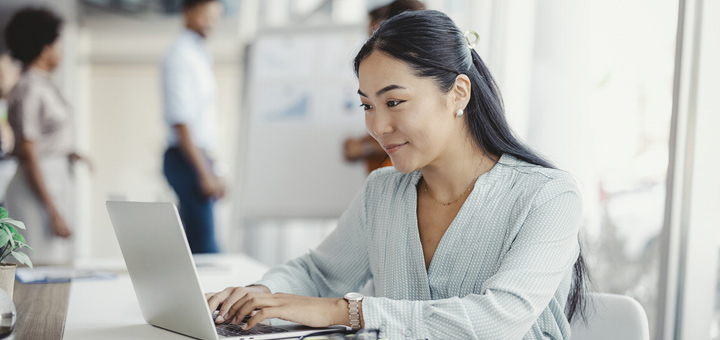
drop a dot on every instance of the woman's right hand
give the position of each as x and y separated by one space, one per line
231 294
58 225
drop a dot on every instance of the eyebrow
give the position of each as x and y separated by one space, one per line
383 90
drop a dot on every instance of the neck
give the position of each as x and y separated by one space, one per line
195 30
41 64
450 176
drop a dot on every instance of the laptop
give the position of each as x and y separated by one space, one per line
163 273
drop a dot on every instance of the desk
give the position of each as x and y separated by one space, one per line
41 310
108 309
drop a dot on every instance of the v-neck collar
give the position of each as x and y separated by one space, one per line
479 193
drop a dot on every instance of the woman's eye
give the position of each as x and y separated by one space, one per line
366 107
393 103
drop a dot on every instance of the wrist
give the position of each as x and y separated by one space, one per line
342 317
354 309
259 288
51 209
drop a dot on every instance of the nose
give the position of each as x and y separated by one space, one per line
379 124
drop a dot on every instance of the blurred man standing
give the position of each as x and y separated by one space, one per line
189 99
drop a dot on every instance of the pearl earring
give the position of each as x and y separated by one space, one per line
459 112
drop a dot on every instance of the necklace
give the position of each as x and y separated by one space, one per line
451 202
445 204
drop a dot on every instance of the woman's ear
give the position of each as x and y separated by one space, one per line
461 91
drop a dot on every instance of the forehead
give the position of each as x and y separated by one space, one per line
207 7
378 70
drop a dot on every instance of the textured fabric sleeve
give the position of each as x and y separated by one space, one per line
178 89
25 112
542 254
337 266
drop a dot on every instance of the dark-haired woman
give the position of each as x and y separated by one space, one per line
470 236
40 194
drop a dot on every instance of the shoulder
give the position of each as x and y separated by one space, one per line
26 88
539 184
387 184
178 52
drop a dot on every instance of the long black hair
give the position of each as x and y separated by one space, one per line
432 45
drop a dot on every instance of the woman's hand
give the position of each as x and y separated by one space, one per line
58 225
237 302
76 157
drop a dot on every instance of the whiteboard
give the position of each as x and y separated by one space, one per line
302 104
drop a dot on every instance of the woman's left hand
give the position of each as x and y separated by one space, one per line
309 311
76 157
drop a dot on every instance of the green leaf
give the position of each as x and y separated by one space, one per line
4 237
15 223
3 213
7 230
18 237
24 245
22 258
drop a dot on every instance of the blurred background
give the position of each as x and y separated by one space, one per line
623 94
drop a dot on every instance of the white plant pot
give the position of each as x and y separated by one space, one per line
7 277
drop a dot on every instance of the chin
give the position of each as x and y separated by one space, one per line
403 167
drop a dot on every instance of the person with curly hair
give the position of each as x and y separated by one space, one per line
40 192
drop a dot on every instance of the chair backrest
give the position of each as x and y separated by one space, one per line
612 316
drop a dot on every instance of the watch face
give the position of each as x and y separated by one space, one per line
353 296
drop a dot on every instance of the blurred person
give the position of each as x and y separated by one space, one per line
367 148
188 86
470 235
9 75
40 194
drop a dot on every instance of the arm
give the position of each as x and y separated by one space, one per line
210 185
179 90
28 159
339 265
541 256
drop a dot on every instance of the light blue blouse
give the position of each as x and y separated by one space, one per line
501 271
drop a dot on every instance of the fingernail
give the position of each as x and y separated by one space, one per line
244 327
219 319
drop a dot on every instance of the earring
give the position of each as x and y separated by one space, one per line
459 112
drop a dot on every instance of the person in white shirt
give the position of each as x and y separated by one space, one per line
188 88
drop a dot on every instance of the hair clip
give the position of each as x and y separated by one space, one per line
472 42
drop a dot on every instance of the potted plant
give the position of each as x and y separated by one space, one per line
11 242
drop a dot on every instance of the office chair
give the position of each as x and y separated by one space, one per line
612 316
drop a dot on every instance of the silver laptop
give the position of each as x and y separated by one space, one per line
165 279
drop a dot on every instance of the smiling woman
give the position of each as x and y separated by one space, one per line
471 235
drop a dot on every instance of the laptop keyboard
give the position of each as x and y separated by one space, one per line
228 329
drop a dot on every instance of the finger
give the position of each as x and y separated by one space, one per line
262 315
252 303
216 299
230 301
248 303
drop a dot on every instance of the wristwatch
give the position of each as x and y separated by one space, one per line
354 300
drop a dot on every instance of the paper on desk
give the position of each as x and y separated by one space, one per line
59 274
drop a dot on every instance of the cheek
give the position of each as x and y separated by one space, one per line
368 125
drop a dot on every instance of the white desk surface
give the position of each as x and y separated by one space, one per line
108 309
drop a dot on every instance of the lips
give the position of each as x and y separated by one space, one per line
392 148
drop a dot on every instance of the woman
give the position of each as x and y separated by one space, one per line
39 194
367 148
470 236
